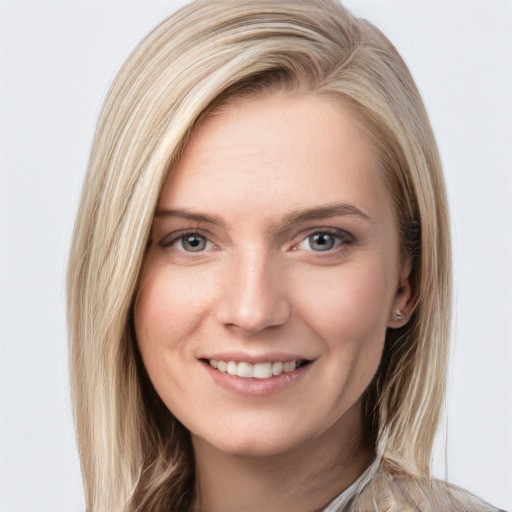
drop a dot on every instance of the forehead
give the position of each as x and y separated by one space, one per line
277 152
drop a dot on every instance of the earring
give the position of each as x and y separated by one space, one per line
399 316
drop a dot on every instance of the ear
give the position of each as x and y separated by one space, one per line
403 302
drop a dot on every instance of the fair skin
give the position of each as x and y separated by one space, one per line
272 276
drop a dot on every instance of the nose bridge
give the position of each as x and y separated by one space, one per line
254 295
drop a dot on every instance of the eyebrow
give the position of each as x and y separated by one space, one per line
186 213
323 212
294 217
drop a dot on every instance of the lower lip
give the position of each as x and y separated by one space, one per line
256 387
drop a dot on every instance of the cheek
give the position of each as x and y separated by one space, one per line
166 313
167 316
170 305
350 312
349 303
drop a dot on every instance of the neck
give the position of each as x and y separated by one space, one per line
300 480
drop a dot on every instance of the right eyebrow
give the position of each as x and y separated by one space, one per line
184 213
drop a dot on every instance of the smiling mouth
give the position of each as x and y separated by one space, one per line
258 370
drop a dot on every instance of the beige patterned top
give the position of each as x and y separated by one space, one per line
377 490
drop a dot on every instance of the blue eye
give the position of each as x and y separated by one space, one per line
187 242
322 241
193 243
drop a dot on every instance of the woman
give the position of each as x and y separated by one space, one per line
259 283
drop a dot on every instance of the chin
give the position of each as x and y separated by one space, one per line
256 447
265 440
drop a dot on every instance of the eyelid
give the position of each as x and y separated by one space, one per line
344 236
170 239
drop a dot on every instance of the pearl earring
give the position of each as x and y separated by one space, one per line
399 316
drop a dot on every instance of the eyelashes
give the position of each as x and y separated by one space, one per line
318 240
324 240
191 241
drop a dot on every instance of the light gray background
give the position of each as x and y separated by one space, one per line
56 61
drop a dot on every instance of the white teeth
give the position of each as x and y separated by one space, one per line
277 368
263 370
257 371
232 367
245 370
289 366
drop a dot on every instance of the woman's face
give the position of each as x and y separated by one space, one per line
271 277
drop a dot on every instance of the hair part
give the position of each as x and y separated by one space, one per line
135 455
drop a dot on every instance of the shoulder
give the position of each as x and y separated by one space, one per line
433 495
402 493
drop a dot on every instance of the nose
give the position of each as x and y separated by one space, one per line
254 295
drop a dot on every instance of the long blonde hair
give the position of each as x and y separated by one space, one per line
135 455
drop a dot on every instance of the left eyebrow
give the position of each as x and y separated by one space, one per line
323 212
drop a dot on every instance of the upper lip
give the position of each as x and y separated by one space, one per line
254 358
